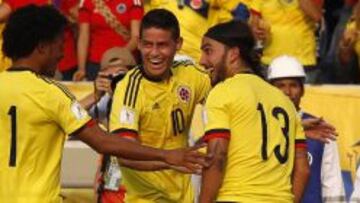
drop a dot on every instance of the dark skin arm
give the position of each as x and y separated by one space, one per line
154 165
312 9
301 173
5 11
103 143
318 129
212 177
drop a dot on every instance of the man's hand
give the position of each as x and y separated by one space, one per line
318 129
79 75
188 157
102 84
260 29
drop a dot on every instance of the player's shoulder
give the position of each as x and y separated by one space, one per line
187 66
220 90
54 87
135 74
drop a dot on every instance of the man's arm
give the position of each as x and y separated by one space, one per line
212 177
117 146
153 165
312 9
5 11
301 173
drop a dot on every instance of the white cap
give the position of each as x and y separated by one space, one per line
285 67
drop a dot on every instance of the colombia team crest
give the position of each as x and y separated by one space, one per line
184 93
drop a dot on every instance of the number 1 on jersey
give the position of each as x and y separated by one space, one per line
12 114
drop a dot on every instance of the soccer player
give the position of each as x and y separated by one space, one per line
153 105
36 113
251 127
325 182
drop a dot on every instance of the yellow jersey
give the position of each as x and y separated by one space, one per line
159 114
291 31
35 115
264 127
220 11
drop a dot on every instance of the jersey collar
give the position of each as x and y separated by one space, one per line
152 79
16 69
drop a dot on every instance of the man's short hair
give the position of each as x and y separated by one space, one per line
29 26
162 19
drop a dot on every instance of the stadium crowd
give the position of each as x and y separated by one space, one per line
245 62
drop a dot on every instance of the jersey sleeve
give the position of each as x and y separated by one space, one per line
85 11
300 140
216 115
124 116
62 107
137 10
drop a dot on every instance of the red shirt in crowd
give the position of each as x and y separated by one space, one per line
102 36
70 60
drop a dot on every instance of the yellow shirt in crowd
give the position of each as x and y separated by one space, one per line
291 31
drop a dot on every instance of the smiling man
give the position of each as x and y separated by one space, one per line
153 105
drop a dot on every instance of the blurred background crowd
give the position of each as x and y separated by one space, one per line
321 34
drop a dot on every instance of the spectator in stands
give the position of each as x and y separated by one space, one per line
349 44
103 25
325 183
68 65
115 63
221 11
8 6
290 29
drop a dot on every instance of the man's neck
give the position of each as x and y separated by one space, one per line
238 68
26 63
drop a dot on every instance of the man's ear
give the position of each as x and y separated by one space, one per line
41 47
179 43
234 54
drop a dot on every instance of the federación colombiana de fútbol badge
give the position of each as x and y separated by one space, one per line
184 93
